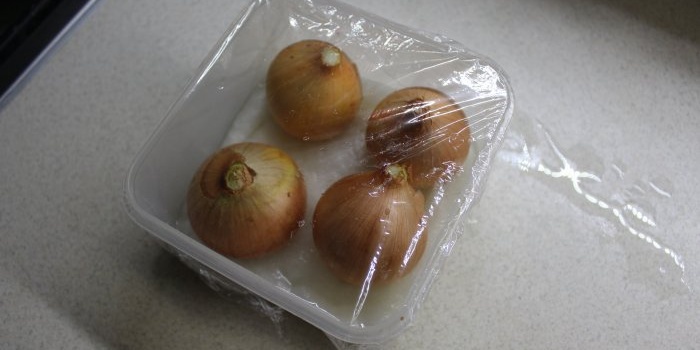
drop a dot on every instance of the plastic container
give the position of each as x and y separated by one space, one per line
225 103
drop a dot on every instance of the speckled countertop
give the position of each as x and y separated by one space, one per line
614 85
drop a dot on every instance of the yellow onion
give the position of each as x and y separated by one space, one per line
313 90
422 128
368 227
246 200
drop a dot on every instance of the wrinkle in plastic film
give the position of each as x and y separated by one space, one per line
603 189
234 292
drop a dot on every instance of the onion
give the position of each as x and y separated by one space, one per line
367 227
246 200
422 128
313 90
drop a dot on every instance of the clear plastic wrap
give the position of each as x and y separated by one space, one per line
386 175
614 199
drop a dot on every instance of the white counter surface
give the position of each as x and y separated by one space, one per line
616 84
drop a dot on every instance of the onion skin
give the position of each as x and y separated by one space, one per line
370 216
313 90
257 211
422 128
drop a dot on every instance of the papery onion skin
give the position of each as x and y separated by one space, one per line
423 128
258 212
310 98
368 227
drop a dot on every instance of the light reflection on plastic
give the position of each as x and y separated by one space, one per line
357 29
483 79
223 46
367 282
364 291
567 171
658 190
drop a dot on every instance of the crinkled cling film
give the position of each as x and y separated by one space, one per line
391 131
